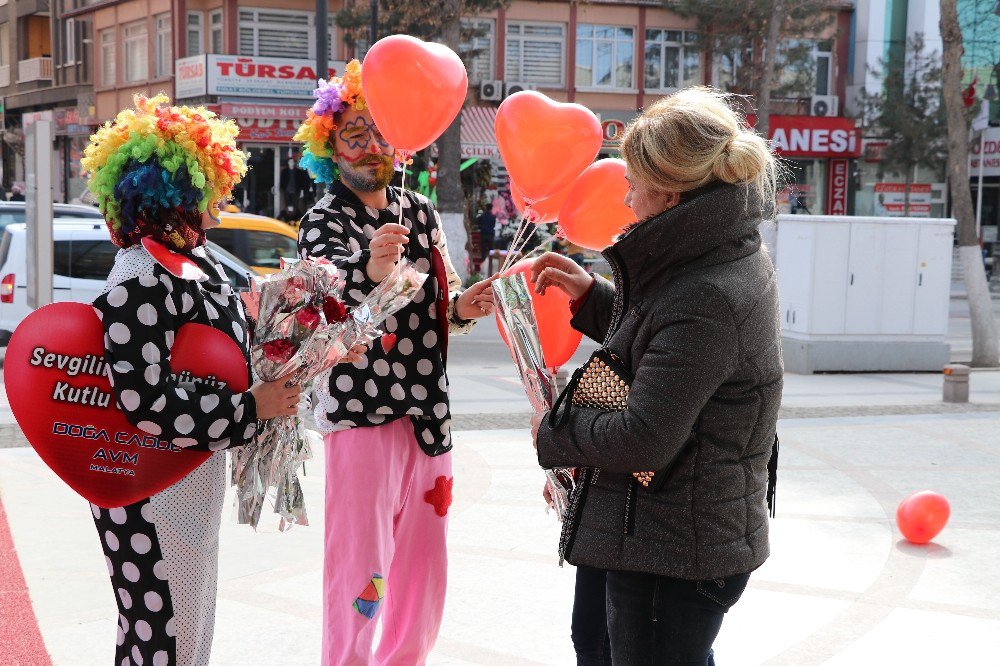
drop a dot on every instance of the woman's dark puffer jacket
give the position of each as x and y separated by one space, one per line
694 315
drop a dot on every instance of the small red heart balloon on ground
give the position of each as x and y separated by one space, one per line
63 402
414 89
594 211
540 212
552 314
545 144
922 516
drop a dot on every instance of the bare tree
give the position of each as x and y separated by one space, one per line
985 344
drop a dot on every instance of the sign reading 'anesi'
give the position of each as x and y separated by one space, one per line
217 74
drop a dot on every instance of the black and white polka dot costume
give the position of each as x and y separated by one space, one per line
407 378
162 551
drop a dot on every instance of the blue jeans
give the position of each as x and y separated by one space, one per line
590 618
655 620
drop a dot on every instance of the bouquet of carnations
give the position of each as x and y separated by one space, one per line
303 327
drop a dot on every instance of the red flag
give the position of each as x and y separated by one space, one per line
969 96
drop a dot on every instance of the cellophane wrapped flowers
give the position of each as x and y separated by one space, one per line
304 328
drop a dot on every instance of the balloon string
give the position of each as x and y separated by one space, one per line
512 248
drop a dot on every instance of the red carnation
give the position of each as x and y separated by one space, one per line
334 310
279 351
308 317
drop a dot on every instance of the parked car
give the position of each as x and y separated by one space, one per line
83 255
12 212
260 242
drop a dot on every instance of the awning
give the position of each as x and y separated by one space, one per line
478 139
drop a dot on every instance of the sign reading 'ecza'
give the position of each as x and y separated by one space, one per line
217 74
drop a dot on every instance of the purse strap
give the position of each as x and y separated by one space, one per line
564 400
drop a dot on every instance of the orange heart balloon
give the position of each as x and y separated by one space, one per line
552 314
540 212
545 144
594 211
414 89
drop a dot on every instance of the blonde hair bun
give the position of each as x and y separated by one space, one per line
694 137
743 160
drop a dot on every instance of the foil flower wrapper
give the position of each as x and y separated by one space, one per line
516 315
303 328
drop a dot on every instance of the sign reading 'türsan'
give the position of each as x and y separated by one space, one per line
218 74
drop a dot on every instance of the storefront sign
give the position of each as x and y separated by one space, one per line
267 130
612 130
217 74
890 200
812 136
991 154
837 188
265 111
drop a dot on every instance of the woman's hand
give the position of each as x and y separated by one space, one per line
561 272
386 247
276 398
476 301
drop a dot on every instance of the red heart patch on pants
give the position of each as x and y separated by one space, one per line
62 400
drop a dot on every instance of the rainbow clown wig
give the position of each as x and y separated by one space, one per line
333 97
156 168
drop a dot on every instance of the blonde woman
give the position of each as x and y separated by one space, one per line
692 320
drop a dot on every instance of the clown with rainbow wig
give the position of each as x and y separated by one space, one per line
158 172
386 417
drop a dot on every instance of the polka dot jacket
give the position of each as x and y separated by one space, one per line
143 307
403 374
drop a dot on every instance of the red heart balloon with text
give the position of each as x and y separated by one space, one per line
545 144
414 89
62 400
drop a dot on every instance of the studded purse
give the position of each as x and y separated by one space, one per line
602 383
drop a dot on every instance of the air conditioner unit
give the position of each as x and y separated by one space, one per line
511 87
491 91
824 105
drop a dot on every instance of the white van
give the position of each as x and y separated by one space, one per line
83 255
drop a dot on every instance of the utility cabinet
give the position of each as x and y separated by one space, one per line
864 293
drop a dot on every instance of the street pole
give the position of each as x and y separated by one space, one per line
979 185
322 39
373 25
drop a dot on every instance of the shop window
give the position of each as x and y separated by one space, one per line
604 56
164 54
477 49
216 28
4 44
672 59
136 52
536 53
108 55
195 38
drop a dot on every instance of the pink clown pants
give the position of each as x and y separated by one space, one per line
386 521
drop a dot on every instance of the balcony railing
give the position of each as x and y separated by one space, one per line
4 76
34 69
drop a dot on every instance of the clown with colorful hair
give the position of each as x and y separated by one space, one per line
158 172
386 417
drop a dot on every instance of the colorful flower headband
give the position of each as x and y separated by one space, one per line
158 156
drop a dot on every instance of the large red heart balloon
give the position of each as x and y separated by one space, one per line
923 515
552 314
540 212
58 349
545 144
594 211
414 89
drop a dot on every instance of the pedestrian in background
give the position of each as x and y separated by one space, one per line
674 501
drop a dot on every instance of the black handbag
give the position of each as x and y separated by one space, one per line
602 383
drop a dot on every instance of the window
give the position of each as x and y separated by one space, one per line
476 48
61 258
136 52
266 250
803 68
92 259
215 26
195 41
604 56
164 51
672 59
224 238
535 53
108 56
276 33
69 47
4 44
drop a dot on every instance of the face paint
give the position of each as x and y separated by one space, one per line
359 134
364 156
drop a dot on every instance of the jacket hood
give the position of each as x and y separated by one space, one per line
717 224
